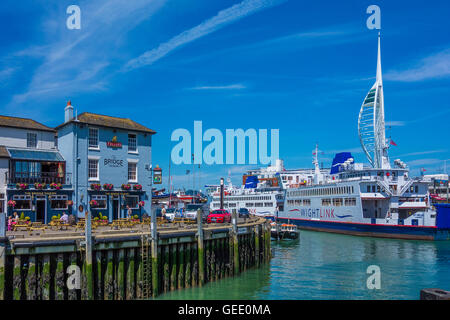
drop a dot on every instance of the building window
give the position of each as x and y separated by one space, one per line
132 143
101 201
31 140
58 202
22 202
132 171
93 138
93 169
2 202
132 201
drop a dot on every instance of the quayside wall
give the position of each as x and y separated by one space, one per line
128 264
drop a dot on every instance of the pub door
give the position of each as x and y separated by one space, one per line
116 209
40 210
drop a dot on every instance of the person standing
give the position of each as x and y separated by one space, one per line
129 212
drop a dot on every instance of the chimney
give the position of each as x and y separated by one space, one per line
68 112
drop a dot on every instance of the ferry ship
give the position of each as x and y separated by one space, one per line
262 191
379 200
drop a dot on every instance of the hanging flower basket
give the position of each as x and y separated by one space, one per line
126 186
96 186
40 186
93 203
141 203
69 202
56 186
22 186
137 187
11 203
108 186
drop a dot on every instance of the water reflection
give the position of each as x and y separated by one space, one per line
331 266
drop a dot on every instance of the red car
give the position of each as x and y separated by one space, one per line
219 216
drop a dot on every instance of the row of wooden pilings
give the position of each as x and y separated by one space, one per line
128 266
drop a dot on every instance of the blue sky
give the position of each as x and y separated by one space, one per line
302 67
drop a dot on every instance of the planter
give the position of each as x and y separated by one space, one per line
137 187
22 186
56 186
126 186
108 186
96 186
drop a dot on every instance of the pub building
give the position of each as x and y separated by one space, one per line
110 161
33 178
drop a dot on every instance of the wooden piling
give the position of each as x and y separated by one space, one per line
109 279
17 278
88 257
235 244
256 236
200 249
32 279
72 294
188 271
130 275
59 277
120 280
180 275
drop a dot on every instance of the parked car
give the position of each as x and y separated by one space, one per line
244 213
219 216
170 214
190 211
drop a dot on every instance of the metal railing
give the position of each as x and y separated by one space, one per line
38 177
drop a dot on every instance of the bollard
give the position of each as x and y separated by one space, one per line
201 254
235 243
2 254
434 294
88 258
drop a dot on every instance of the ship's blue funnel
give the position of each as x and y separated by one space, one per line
338 160
251 182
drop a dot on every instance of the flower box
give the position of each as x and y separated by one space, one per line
126 186
22 186
56 186
137 187
108 186
40 186
96 186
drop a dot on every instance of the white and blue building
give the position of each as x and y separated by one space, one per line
33 177
109 159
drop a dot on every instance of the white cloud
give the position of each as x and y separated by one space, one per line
395 123
223 18
433 66
223 87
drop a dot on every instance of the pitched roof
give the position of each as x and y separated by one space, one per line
24 123
4 152
111 122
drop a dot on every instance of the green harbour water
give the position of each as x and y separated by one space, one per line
326 266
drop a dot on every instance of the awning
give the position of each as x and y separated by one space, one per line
37 155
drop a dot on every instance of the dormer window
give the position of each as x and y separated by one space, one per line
31 140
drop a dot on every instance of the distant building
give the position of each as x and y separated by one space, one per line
33 178
110 160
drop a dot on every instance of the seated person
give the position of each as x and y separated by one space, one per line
65 218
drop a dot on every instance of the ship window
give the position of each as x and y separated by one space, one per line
306 202
337 202
326 202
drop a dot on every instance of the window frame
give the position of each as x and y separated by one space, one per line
135 171
135 150
32 134
97 178
92 146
